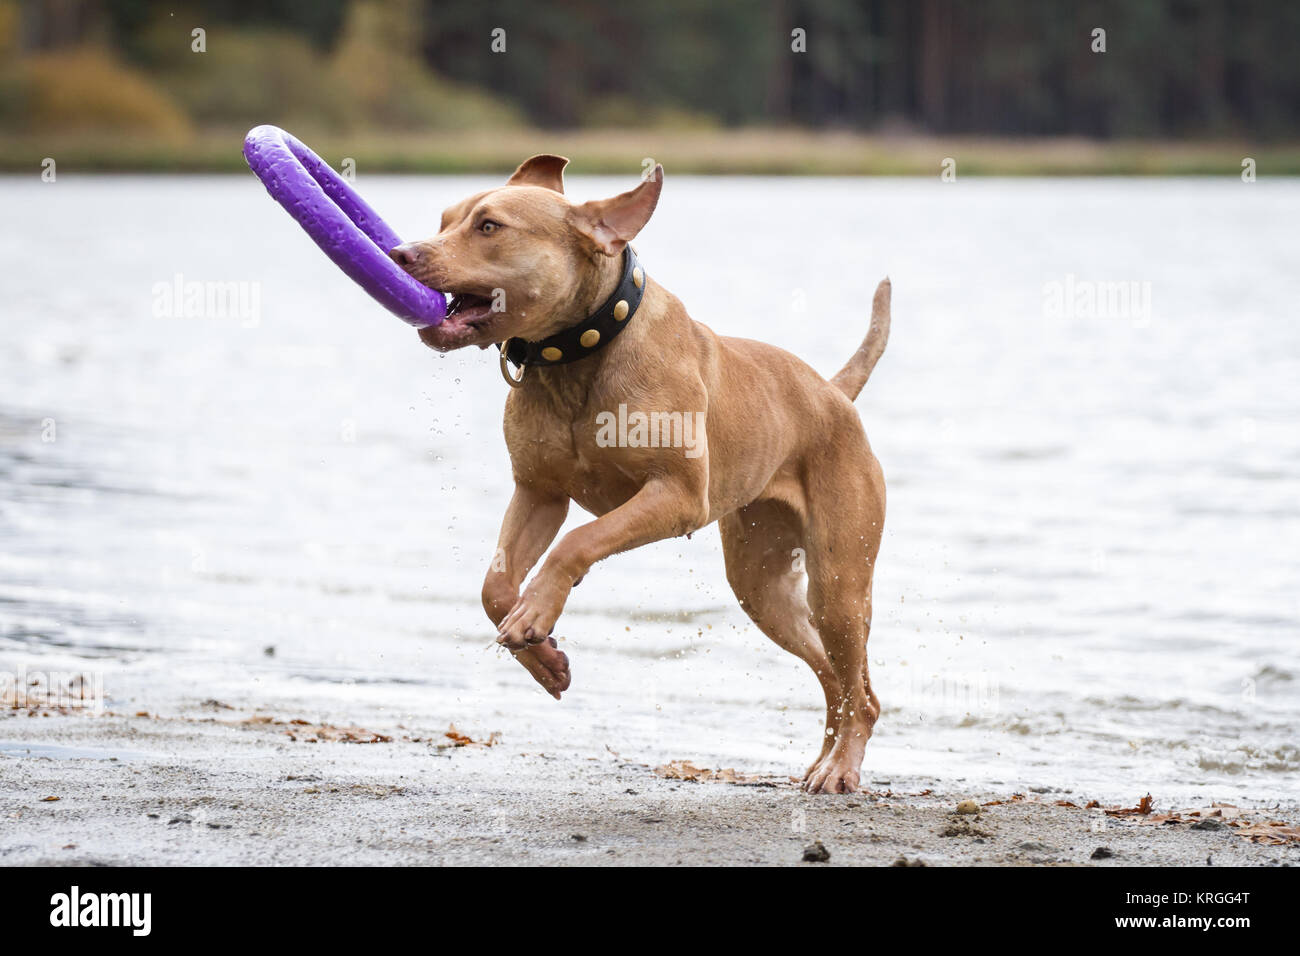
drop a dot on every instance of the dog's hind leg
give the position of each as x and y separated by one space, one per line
846 505
764 544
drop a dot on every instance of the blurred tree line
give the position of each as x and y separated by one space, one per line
1171 68
1024 67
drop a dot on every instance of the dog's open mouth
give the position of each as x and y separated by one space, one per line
466 308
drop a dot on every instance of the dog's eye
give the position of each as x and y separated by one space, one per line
487 227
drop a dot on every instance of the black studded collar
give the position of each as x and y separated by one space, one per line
591 334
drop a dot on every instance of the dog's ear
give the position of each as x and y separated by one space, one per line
612 223
541 170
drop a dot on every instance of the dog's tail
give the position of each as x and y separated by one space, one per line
854 374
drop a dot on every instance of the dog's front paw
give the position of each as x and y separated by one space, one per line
549 666
533 617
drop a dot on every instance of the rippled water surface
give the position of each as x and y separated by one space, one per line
1090 567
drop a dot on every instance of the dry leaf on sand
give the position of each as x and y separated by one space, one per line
1273 833
465 740
328 733
1143 807
685 770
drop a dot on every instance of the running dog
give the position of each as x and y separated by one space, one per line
612 371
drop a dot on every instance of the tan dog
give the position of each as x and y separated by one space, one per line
783 464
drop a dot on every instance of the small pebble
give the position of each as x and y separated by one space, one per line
1102 853
968 806
816 852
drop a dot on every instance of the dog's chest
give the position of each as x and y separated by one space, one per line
567 456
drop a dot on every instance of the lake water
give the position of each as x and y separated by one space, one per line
1089 573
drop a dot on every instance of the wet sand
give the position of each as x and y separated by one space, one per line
214 787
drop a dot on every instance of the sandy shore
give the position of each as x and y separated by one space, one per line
751 151
224 788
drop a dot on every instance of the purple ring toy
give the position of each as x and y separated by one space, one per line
340 222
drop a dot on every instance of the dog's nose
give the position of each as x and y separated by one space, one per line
407 254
